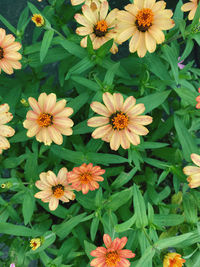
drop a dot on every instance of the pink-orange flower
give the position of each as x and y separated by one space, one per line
54 188
98 24
192 7
120 123
49 119
85 177
9 57
193 172
173 260
5 131
113 255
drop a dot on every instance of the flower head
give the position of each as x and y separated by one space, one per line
38 20
5 131
9 57
113 255
173 260
192 7
97 24
49 119
12 265
85 177
87 2
193 171
35 243
198 100
144 22
120 123
180 65
54 188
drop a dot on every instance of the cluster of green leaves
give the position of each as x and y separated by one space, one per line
144 195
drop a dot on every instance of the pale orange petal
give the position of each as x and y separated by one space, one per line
100 109
97 121
6 131
195 158
115 140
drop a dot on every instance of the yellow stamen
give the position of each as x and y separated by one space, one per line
35 243
144 19
58 190
101 28
112 258
45 120
38 20
119 121
86 178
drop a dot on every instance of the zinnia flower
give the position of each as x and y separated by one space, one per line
173 260
98 24
192 7
12 265
143 22
49 119
5 131
120 123
87 2
54 188
198 100
193 171
35 243
113 255
85 177
38 20
180 65
8 53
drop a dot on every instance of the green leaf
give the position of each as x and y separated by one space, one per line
13 162
187 95
146 257
31 167
77 102
104 49
190 208
88 248
23 20
68 155
139 207
65 228
82 128
168 219
188 49
28 206
8 25
18 230
46 42
122 227
73 48
123 178
152 145
110 74
186 140
105 159
118 199
94 228
152 101
86 83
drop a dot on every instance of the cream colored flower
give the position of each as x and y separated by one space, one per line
98 24
120 123
193 172
9 57
54 188
5 131
87 2
192 7
144 22
49 119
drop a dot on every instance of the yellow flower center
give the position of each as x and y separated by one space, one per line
45 120
119 121
58 190
112 258
86 177
1 53
101 28
144 19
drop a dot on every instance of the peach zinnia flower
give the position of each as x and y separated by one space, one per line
54 188
5 131
98 24
192 7
120 124
49 119
8 53
193 171
173 260
87 2
113 255
143 22
85 177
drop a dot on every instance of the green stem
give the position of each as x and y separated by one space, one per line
147 236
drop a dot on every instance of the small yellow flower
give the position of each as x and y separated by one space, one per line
24 102
3 186
38 20
35 243
173 260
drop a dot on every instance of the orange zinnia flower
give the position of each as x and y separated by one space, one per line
98 24
8 53
144 22
193 172
54 188
120 124
173 260
49 119
5 131
113 255
192 7
85 177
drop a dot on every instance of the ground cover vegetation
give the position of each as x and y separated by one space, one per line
99 141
